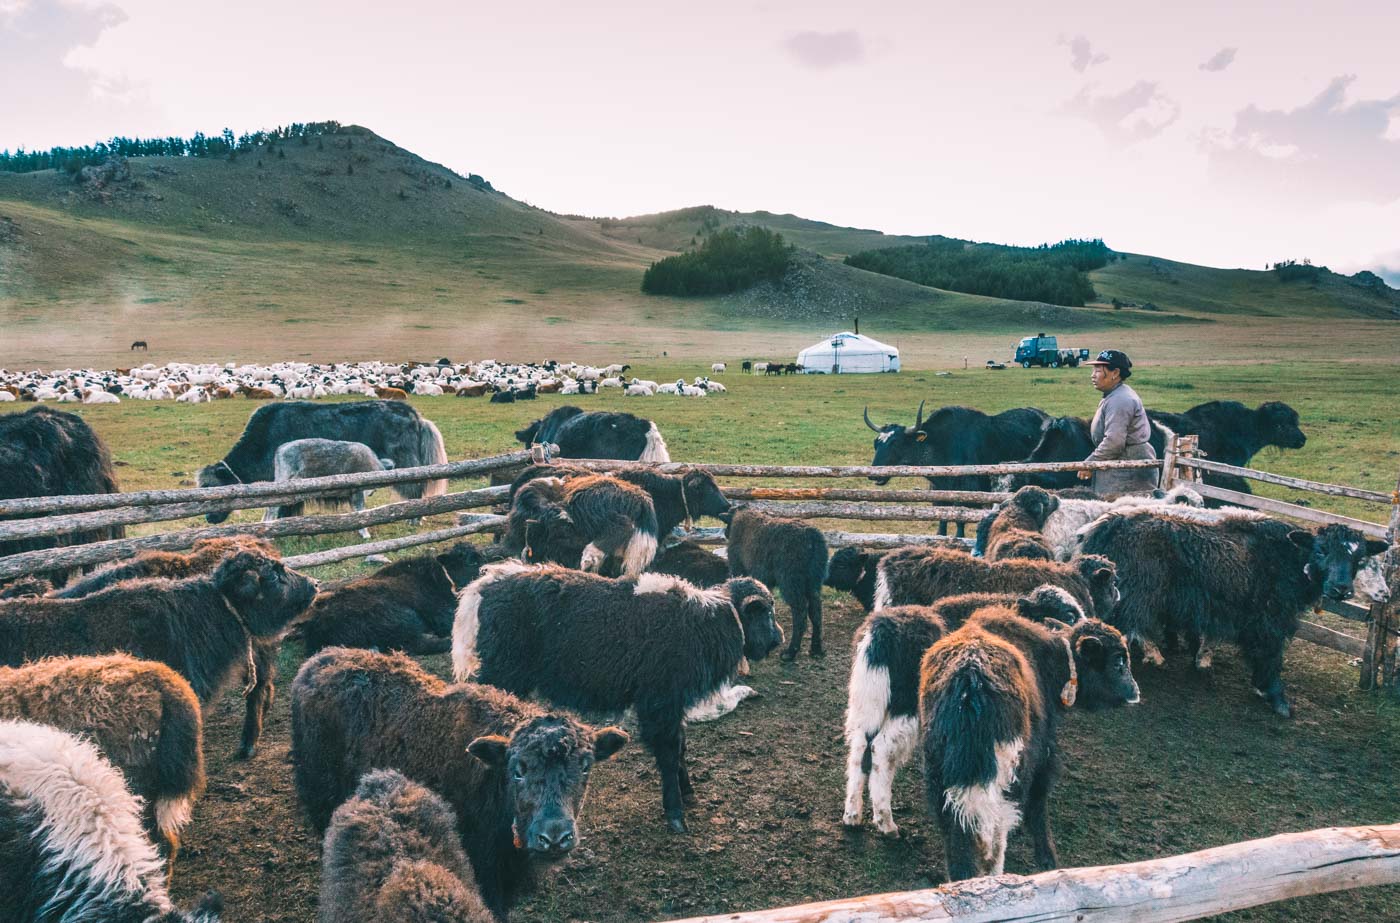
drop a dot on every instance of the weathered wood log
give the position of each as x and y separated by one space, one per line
873 512
476 523
1348 610
1318 487
987 497
48 560
261 490
1290 510
1186 887
857 471
715 536
1323 636
1378 660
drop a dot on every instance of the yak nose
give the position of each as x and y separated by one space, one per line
554 837
1340 592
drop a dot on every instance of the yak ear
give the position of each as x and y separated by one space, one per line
490 750
607 741
1302 538
754 606
1375 547
238 577
921 436
1103 575
1090 649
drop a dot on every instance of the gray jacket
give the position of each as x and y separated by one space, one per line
1121 432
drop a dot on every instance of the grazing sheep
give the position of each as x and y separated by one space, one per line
990 696
392 854
922 576
315 458
143 715
514 773
71 843
582 641
206 628
404 606
1014 531
883 699
788 555
717 368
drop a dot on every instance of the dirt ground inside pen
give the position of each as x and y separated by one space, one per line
1200 763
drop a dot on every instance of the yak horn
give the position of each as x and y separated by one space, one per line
868 423
918 420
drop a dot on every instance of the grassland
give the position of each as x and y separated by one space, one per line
1200 763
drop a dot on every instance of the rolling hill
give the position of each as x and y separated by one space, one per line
348 246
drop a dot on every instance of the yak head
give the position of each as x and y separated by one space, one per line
1102 666
1048 602
1277 424
553 538
1102 577
546 762
703 496
754 603
218 474
266 593
462 562
1335 554
900 445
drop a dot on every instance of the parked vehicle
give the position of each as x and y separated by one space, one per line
1045 351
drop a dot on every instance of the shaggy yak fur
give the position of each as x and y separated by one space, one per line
656 644
205 628
1014 530
922 576
405 606
71 843
615 521
1061 527
597 434
853 570
883 700
28 585
143 715
49 453
676 497
391 429
1233 434
1239 579
693 563
392 855
514 773
788 555
990 696
315 458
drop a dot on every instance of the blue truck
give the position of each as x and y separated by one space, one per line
1045 351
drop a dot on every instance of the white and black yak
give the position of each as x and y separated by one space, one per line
990 697
71 843
208 628
392 430
882 702
392 855
50 453
514 773
678 498
610 524
597 434
656 644
1241 579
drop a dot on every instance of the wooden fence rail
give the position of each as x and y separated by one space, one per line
1334 490
1290 510
470 524
863 471
1185 887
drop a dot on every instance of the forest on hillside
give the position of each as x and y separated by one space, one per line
1054 273
226 143
729 260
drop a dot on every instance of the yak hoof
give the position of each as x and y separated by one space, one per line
788 655
676 822
247 752
1282 708
851 818
818 651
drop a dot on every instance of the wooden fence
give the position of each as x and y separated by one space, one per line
47 517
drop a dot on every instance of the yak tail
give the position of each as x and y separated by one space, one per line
431 451
179 763
639 553
655 450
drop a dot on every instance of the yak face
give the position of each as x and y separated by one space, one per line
1335 554
1102 663
847 566
1278 425
1037 503
265 592
754 603
553 539
1102 577
899 445
703 496
218 474
462 562
1049 602
546 764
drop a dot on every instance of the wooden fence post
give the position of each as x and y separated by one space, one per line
1168 479
1189 447
1378 660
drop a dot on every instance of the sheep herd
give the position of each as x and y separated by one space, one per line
437 800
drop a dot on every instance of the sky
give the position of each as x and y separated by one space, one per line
1228 134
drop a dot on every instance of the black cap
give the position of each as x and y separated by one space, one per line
1114 359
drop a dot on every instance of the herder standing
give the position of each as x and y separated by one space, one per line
1120 430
